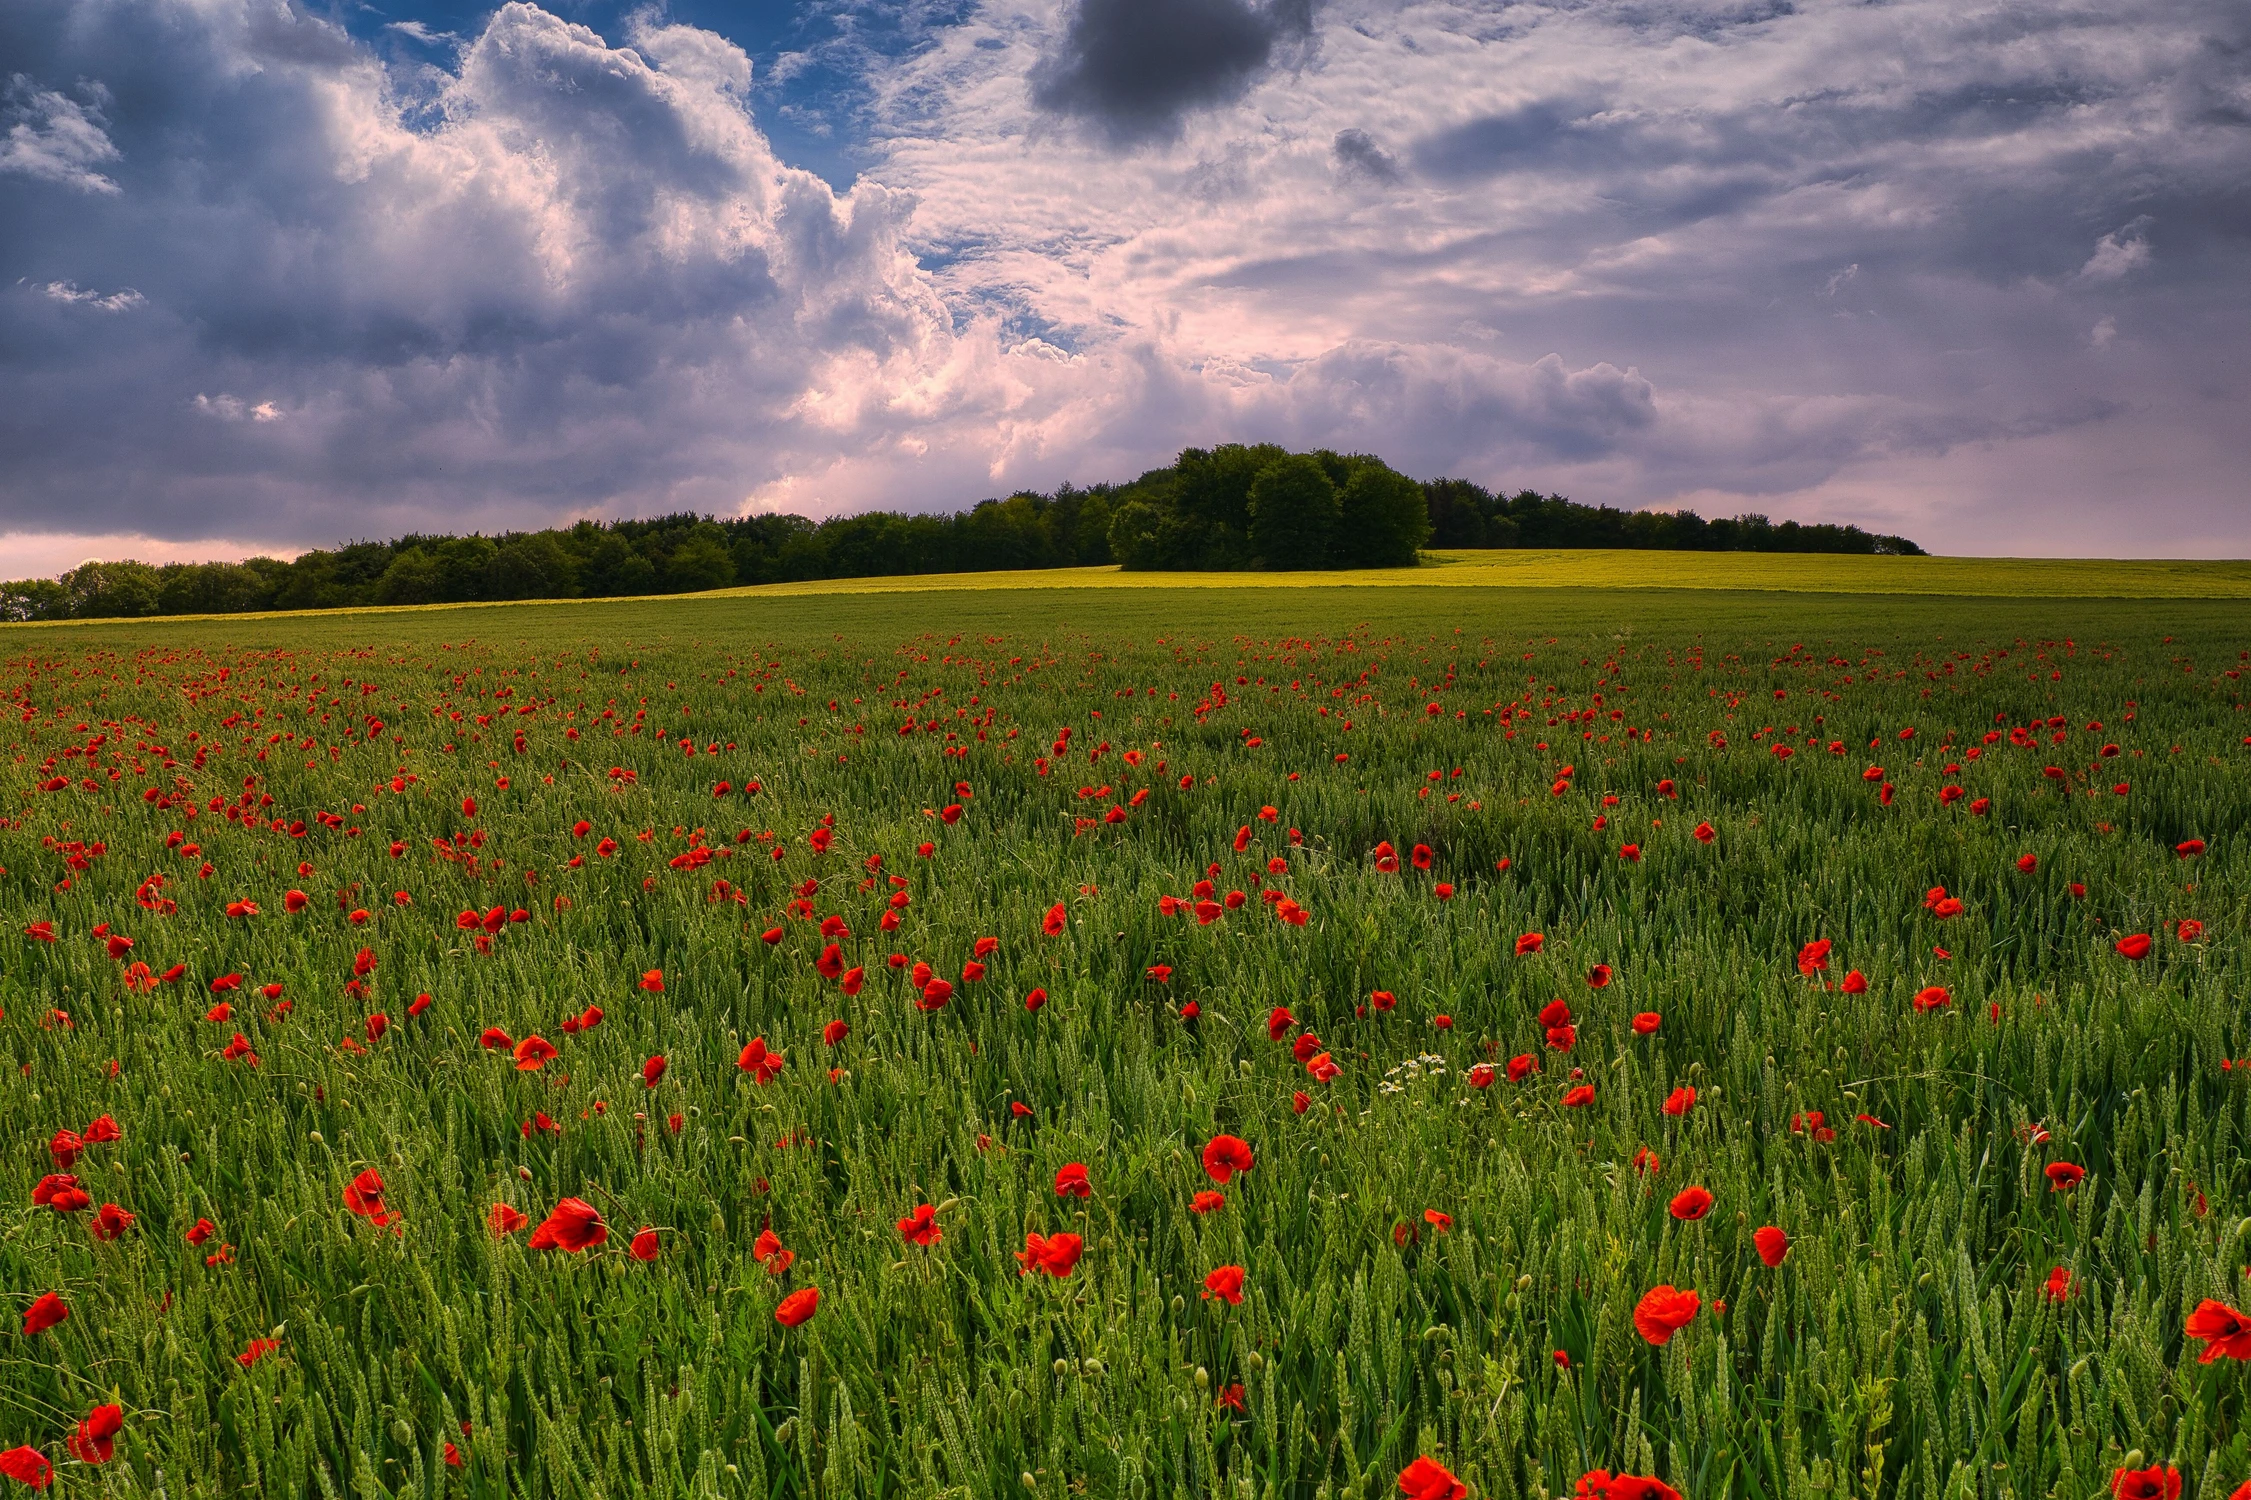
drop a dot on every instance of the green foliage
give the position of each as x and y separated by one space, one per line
1463 514
1907 1349
1293 514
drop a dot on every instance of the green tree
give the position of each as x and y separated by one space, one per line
532 565
414 577
702 561
613 569
1133 535
112 590
1383 518
1293 510
33 599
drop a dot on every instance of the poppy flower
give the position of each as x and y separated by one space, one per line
1579 1097
1932 997
64 1146
2134 947
644 1245
505 1219
2064 1174
200 1231
2225 1332
1053 922
1703 833
60 1191
2058 1287
1773 1245
575 1225
1439 1220
1231 1398
1529 943
225 983
653 1070
2189 848
934 995
1481 1075
767 1251
493 1039
835 1031
1690 1204
1598 977
1680 1101
798 1307
256 1350
1664 1311
1382 999
760 1062
1814 956
1056 1255
1207 1201
44 1314
1522 1066
1637 1487
95 1442
653 981
27 1465
1071 1182
921 1226
533 1053
363 1195
110 1221
1646 1023
1036 999
2152 1483
1855 983
1225 1283
1425 1479
1224 1156
1321 1067
1300 1102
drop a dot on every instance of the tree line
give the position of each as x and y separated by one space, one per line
1236 506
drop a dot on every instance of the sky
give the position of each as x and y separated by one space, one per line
277 274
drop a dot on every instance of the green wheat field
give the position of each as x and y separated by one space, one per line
1036 1038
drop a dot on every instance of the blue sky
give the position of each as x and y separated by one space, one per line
277 274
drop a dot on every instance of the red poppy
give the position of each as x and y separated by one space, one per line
1208 1201
1056 1255
1425 1479
1440 1221
835 1031
1579 1097
27 1465
1680 1101
1646 1023
201 1231
1773 1245
95 1442
1855 983
1703 833
644 1245
533 1053
2058 1287
1053 922
575 1225
1932 997
1225 1283
2225 1332
1300 1101
1231 1398
2134 947
1481 1075
934 995
798 1307
1664 1311
767 1251
921 1226
363 1195
505 1219
760 1062
256 1350
1225 1155
1598 977
2064 1174
1634 1487
1071 1182
2152 1483
653 1070
653 981
1522 1066
493 1039
1814 956
44 1314
1036 999
110 1221
1529 943
60 1191
2188 848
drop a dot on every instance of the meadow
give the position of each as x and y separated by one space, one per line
1048 1041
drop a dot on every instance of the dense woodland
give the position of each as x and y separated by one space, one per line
1233 507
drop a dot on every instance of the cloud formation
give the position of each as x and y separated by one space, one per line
280 284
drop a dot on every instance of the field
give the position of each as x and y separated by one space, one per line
1375 981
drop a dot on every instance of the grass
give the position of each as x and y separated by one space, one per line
1909 1345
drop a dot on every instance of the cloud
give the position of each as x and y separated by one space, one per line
1133 68
53 138
124 300
1358 155
2118 253
420 32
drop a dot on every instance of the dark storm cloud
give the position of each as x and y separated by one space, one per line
1133 68
1358 155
